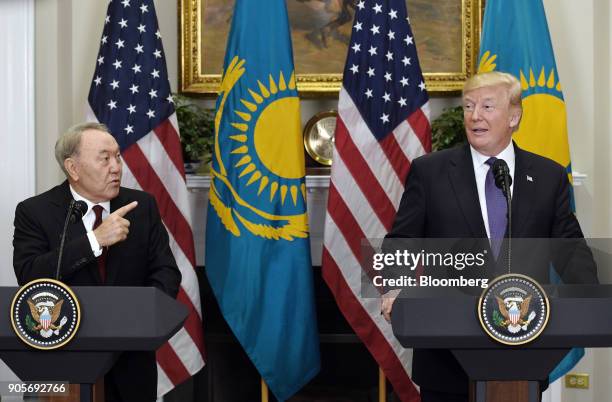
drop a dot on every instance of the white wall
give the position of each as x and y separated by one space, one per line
582 40
17 165
16 120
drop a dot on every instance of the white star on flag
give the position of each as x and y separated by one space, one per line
139 112
379 132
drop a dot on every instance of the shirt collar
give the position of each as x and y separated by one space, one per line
507 154
90 205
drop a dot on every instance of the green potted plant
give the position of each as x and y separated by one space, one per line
197 128
447 130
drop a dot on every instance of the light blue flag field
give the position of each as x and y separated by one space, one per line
257 240
516 40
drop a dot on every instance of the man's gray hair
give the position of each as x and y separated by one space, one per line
68 144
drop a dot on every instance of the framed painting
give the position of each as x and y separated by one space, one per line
446 32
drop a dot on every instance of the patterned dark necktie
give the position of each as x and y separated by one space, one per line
102 257
497 210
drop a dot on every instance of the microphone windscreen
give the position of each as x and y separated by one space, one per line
78 210
501 172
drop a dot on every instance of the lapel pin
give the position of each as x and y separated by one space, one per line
529 178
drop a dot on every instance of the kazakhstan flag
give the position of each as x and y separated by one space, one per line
257 246
515 39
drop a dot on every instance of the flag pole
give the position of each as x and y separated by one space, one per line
382 386
264 391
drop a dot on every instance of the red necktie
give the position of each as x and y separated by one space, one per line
102 257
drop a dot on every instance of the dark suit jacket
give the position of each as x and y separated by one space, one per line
441 201
143 259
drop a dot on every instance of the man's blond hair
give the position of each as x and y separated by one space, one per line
69 143
496 78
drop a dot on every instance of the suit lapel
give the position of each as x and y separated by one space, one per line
524 183
463 182
60 200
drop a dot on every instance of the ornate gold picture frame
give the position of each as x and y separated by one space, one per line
447 34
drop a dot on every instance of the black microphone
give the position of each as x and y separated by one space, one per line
76 210
503 181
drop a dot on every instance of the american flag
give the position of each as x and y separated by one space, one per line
382 125
130 93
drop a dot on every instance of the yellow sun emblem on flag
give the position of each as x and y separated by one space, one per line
543 127
261 144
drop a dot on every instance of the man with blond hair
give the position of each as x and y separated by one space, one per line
452 194
120 241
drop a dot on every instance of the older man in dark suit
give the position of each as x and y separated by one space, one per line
121 240
452 194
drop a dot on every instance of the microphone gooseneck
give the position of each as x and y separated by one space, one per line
76 210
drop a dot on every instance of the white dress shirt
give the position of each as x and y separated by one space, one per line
480 171
89 219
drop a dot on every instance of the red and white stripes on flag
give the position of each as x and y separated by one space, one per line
367 182
155 164
130 93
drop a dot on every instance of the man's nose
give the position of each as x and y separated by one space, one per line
115 165
476 113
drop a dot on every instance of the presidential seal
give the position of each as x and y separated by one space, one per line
513 309
45 314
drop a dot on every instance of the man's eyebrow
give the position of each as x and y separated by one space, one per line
108 151
487 99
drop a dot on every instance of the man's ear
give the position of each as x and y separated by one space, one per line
71 168
515 117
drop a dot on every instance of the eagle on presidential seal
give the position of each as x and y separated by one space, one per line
515 313
45 315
